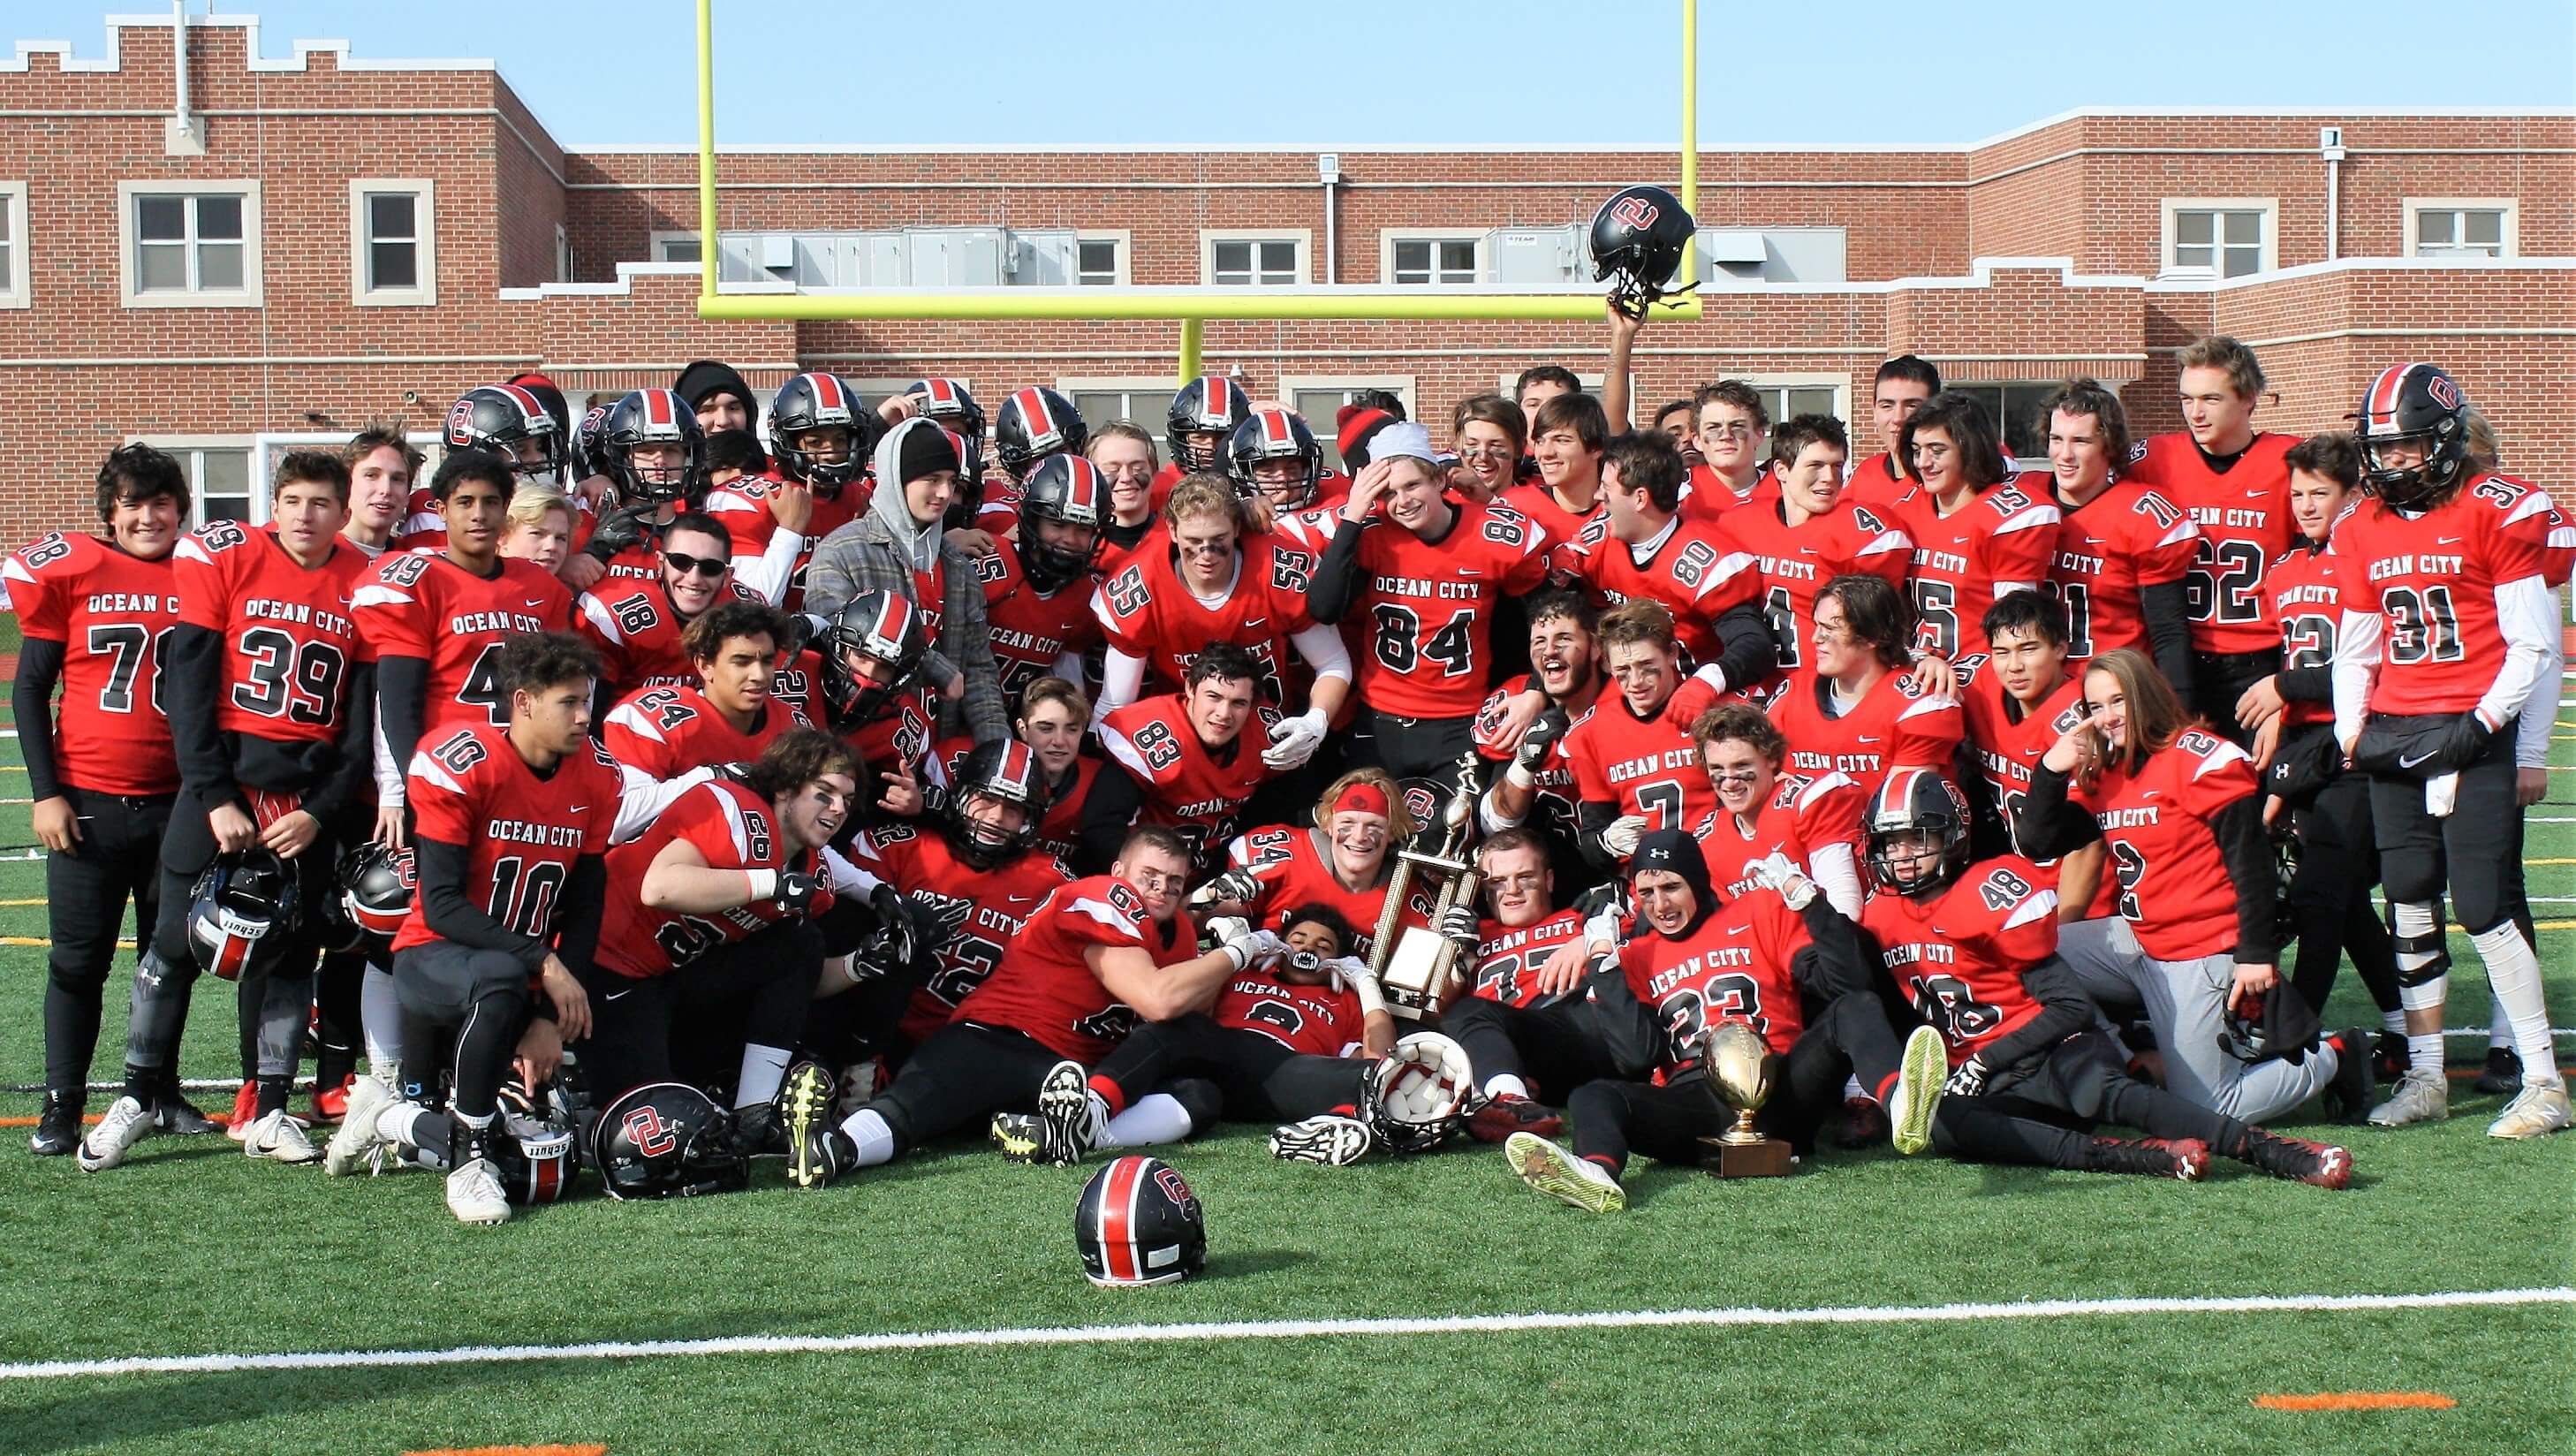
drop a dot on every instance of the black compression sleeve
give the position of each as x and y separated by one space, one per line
402 705
194 671
1106 812
577 923
2064 1011
1836 959
1337 578
352 777
31 699
1629 1029
2168 620
452 915
2247 848
1747 649
2307 684
2045 825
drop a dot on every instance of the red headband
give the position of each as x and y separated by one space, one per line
1362 798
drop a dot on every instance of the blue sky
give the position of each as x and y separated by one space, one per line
1602 72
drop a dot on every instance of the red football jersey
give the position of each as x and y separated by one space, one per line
1557 804
1147 612
112 613
663 733
521 833
2532 515
1316 1020
425 606
1959 955
1877 485
1290 865
1648 767
899 736
1197 792
1804 815
1796 561
2244 520
1045 988
1428 608
288 636
989 907
1707 498
1508 959
732 829
1697 569
1534 500
1735 967
2008 741
2307 606
2432 579
1894 725
2108 549
2174 889
637 632
2006 535
1031 630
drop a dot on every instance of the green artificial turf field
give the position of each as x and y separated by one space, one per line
193 1250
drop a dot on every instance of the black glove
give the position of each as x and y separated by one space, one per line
804 629
2464 743
619 530
796 892
1241 887
894 924
1458 923
1610 898
1544 731
734 773
1968 1079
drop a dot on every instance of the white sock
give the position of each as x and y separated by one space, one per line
1504 1084
2499 1025
2514 972
1853 1091
875 1140
1156 1117
380 1017
2393 1020
476 1123
763 1068
397 1124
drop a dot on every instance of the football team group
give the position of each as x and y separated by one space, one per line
705 777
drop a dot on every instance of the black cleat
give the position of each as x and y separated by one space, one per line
2297 1159
817 1150
2503 1075
2391 1058
761 1131
2186 1159
58 1127
2348 1096
172 1113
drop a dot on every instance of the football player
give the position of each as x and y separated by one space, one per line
636 626
270 695
1125 456
1567 436
1054 717
1201 423
1038 592
2194 943
1641 547
500 419
873 662
1343 862
1854 711
540 529
95 613
730 717
1881 483
1274 458
1634 768
1731 424
1812 819
717 396
1031 425
1977 537
1974 946
1565 673
1803 532
819 437
1524 1029
382 465
1189 760
2019 700
653 453
2122 549
1490 433
2441 649
1424 575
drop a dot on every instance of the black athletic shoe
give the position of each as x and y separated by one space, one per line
2503 1075
2348 1096
2185 1159
2391 1058
172 1113
761 1131
2297 1159
58 1127
1864 1124
1499 1118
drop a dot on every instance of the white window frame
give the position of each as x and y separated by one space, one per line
1154 386
1291 385
654 244
2268 250
1304 238
563 254
14 289
1840 384
2508 240
186 446
253 292
424 214
1387 238
1123 238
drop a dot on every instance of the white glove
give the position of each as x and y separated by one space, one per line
1460 924
1253 945
1622 835
1348 971
1775 872
1294 740
1226 928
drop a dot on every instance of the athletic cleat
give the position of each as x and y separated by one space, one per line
2297 1159
1561 1175
2155 1158
2536 1111
1016 1136
58 1127
760 1130
1068 1124
2503 1073
2348 1095
1864 1124
817 1150
330 1104
1917 1098
2190 1156
861 1081
1335 1142
245 1112
177 1116
2422 1095
280 1138
356 1139
126 1124
474 1194
2389 1058
1502 1116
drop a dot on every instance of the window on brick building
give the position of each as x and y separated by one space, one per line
2020 415
2218 238
393 242
1147 402
13 245
1256 258
1100 259
1434 258
198 248
2445 227
219 476
677 248
1785 398
1319 400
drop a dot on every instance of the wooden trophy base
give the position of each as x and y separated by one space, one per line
1768 1158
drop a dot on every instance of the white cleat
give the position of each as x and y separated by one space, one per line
280 1138
2537 1111
1069 1125
474 1194
1552 1170
125 1124
356 1140
1917 1098
2422 1095
1335 1142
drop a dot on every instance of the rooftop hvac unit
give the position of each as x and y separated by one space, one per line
1539 258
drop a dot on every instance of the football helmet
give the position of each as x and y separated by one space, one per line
1034 423
1208 405
1637 241
239 901
1003 769
584 450
1414 1096
376 887
1276 435
537 1154
1910 801
2419 404
950 403
667 1140
497 418
653 416
1138 1223
882 627
1068 490
819 402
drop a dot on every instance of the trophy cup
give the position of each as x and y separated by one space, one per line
1419 969
1740 1077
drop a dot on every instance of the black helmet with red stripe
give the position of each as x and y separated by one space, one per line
825 402
2418 405
538 1153
1138 1223
1275 434
873 656
1210 405
1004 771
239 903
376 887
949 402
1068 490
1913 802
512 423
652 418
584 453
1034 423
1637 242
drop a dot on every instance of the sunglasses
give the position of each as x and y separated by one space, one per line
707 566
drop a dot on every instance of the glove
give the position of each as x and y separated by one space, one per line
795 893
2464 743
1254 945
1347 970
1610 900
894 924
1774 872
1294 740
1620 839
738 773
1228 927
1968 1079
1541 736
1458 923
804 629
1240 887
620 530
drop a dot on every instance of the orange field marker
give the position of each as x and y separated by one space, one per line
515 1451
2356 1400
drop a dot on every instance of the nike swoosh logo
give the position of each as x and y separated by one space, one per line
2446 540
2418 759
613 995
534 602
1866 738
577 808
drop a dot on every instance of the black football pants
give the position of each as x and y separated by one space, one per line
2330 895
2218 679
480 997
2475 849
117 859
1257 1079
2043 1108
961 1074
1848 1037
1553 1049
1411 748
753 991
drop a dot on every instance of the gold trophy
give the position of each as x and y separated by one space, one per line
1419 969
1741 1077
